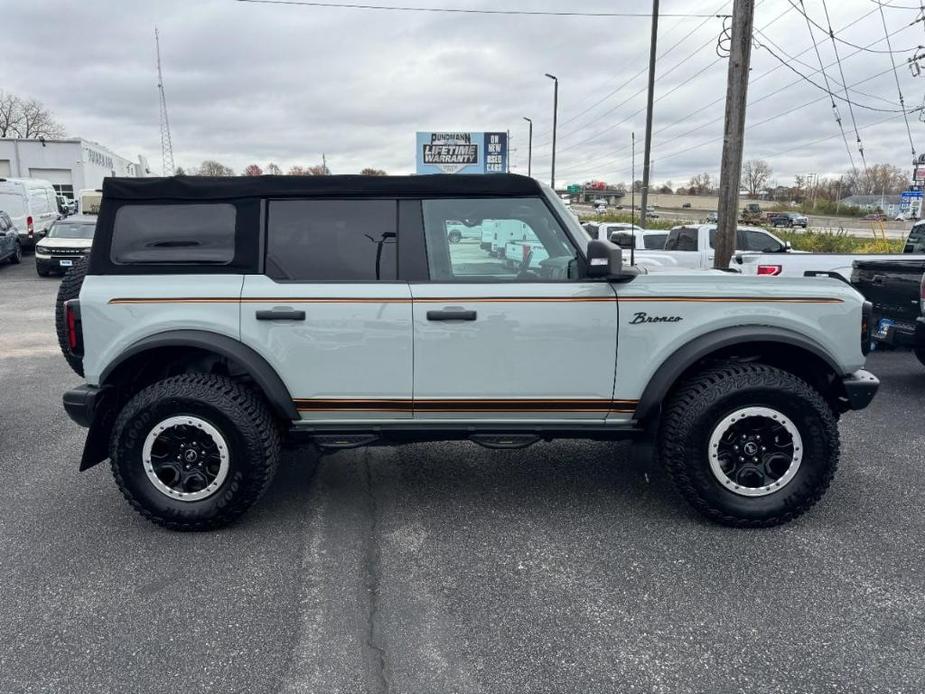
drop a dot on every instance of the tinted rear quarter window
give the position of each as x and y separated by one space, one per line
326 240
684 239
174 234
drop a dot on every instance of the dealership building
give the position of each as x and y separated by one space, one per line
70 165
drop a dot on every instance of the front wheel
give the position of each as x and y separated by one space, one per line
749 445
16 258
194 452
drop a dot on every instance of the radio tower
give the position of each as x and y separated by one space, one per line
166 144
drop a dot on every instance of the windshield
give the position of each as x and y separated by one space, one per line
71 230
571 221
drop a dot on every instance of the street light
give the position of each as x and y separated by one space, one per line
555 115
530 148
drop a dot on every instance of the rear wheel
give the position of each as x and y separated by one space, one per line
749 445
454 237
194 452
69 289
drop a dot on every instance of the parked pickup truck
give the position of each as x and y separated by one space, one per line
798 264
627 235
218 316
692 246
894 287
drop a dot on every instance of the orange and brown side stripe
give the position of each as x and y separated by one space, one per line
479 299
462 405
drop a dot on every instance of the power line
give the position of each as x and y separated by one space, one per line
835 112
462 10
667 72
643 71
802 10
902 103
841 71
828 91
752 125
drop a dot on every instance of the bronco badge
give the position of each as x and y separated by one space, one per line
643 317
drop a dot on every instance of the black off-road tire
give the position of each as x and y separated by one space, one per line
240 415
16 258
697 407
69 289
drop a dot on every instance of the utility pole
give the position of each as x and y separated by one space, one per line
555 118
633 183
324 165
530 148
648 145
740 53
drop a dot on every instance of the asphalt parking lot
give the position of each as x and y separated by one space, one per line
565 567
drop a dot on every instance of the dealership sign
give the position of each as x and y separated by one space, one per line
461 152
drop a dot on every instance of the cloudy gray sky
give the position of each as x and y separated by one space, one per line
284 83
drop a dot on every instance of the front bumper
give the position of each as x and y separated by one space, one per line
860 388
83 403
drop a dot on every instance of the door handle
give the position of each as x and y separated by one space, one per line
281 315
451 315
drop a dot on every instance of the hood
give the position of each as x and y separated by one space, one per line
65 243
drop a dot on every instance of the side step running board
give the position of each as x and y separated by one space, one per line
504 440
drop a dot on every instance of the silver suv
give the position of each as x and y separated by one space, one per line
217 317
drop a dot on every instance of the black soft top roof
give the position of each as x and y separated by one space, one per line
231 187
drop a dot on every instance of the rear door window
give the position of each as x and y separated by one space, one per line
654 241
327 240
683 239
174 234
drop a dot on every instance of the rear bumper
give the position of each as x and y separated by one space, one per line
900 334
860 388
82 403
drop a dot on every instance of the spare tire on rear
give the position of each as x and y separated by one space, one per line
70 289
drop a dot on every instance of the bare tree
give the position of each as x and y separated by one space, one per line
317 170
26 119
252 170
878 179
210 167
372 172
273 170
9 114
179 171
755 175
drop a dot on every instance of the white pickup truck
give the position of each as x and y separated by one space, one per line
692 246
798 264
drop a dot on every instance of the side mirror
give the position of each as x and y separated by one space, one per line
605 260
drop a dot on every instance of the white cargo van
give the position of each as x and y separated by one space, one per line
32 204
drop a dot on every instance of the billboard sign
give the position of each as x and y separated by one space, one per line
461 152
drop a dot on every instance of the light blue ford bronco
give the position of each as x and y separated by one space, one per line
218 317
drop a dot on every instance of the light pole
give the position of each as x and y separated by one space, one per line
555 116
530 148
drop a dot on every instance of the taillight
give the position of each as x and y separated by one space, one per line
866 311
769 270
73 327
30 227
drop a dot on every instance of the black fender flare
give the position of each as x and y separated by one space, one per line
256 366
689 354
